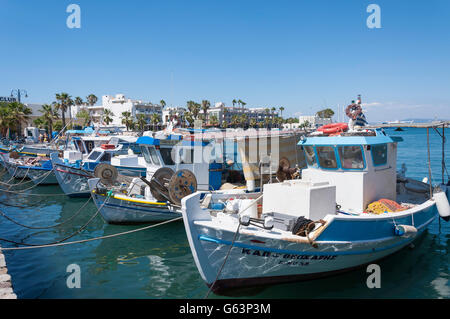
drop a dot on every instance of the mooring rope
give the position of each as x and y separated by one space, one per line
47 227
95 238
31 187
65 238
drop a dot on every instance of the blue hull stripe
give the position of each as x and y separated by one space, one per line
296 252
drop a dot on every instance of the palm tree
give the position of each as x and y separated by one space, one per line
154 119
19 114
205 107
252 122
235 121
141 121
85 116
127 120
107 114
91 99
281 111
239 102
214 121
65 101
49 113
194 108
78 101
243 120
189 118
234 102
163 103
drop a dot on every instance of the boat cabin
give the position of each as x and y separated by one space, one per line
174 153
362 166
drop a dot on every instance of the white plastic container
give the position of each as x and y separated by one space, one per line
73 156
244 208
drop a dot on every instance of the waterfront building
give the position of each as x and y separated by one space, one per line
174 115
117 105
314 120
226 113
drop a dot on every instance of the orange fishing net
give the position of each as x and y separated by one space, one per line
384 205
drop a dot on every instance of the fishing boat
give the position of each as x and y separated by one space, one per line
175 168
348 208
73 170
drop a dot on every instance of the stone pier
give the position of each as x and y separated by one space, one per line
6 291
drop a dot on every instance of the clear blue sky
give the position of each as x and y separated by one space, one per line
298 54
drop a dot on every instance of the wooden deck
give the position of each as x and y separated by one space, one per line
6 291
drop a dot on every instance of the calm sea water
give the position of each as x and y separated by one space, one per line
157 263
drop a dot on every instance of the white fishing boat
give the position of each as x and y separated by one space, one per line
73 170
347 210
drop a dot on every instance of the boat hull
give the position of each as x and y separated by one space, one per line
257 258
42 176
119 211
73 181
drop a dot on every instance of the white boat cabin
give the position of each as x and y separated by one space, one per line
361 166
177 154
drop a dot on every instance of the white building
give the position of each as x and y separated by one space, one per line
174 115
313 120
226 113
117 105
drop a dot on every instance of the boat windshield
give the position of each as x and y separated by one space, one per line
166 154
327 157
379 154
310 156
351 157
94 155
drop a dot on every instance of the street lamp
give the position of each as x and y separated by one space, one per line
18 93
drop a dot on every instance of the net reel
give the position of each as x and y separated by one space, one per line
167 185
107 173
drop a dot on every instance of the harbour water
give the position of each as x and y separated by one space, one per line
157 263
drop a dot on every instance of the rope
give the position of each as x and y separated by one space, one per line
35 185
96 238
65 238
53 226
224 261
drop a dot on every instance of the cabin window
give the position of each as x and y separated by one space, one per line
94 156
106 157
310 156
351 157
80 146
89 145
379 154
327 157
146 154
154 156
166 154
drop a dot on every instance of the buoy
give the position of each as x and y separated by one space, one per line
442 205
405 230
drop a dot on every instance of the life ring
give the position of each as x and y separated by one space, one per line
333 128
353 110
